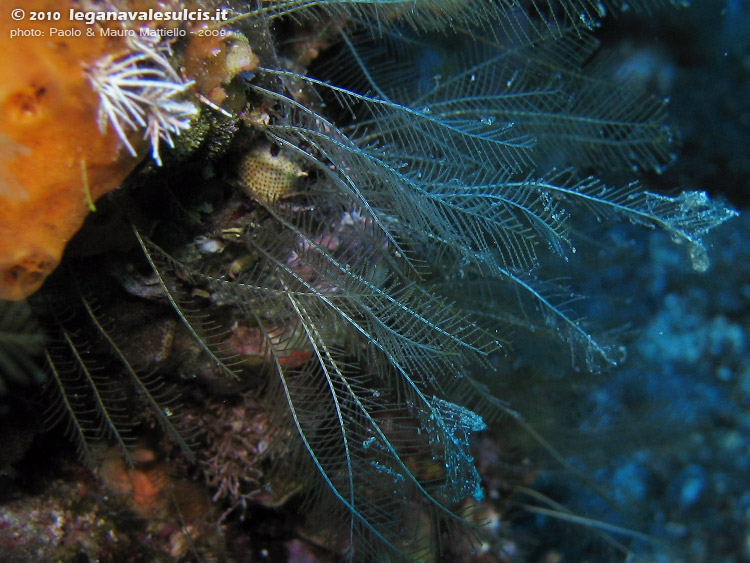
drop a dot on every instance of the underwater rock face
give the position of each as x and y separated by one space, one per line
346 209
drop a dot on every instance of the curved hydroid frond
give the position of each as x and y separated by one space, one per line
162 398
210 337
428 188
88 400
93 385
505 18
351 434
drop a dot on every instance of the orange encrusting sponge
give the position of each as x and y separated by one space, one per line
50 143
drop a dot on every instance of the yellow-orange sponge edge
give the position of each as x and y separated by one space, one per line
48 137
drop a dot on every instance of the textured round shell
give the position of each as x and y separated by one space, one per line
266 175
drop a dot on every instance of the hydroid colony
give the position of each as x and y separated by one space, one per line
437 151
